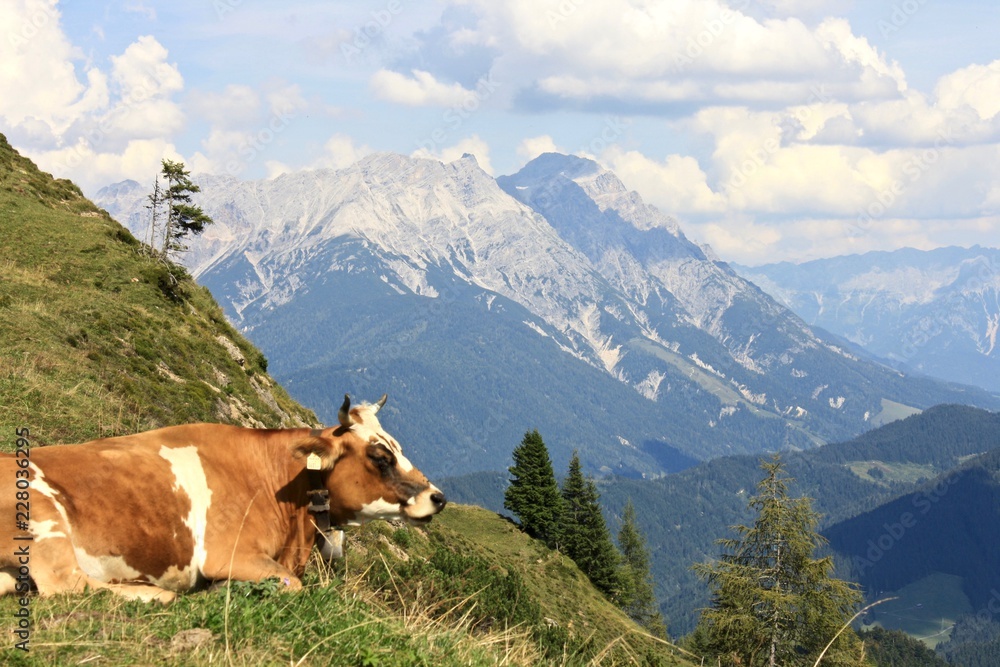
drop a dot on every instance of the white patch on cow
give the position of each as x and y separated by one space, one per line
371 431
421 506
106 568
404 463
377 509
39 485
42 530
189 474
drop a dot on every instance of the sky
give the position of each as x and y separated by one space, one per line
773 130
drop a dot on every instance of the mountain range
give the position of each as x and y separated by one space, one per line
553 298
935 312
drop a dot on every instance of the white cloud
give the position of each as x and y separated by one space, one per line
975 86
532 147
664 52
677 185
473 145
339 152
112 124
285 99
91 170
800 8
237 104
422 89
34 49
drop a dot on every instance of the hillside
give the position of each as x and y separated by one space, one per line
947 526
100 340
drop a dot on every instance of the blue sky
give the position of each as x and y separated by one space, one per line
771 129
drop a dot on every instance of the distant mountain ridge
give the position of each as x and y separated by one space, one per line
936 312
553 298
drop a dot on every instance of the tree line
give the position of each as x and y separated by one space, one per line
773 602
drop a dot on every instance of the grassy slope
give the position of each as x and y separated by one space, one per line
98 341
95 341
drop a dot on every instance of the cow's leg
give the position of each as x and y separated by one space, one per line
256 569
55 568
55 571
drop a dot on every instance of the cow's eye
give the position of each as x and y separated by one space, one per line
382 458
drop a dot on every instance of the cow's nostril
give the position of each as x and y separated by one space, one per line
439 500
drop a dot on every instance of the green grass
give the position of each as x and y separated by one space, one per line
892 411
249 624
884 472
925 609
468 590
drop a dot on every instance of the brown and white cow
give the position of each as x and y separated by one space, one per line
163 511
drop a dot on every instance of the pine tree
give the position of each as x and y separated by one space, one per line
637 598
533 494
183 217
772 602
585 536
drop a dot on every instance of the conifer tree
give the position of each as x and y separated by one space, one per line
533 494
773 603
183 217
637 598
585 536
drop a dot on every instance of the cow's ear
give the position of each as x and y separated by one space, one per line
315 448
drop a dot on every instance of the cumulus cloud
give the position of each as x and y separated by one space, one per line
420 89
473 145
34 49
532 147
975 86
677 184
657 55
340 151
95 125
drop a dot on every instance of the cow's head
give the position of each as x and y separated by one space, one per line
366 473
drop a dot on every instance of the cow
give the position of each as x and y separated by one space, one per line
177 508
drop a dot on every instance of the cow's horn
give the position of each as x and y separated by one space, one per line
379 405
345 413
